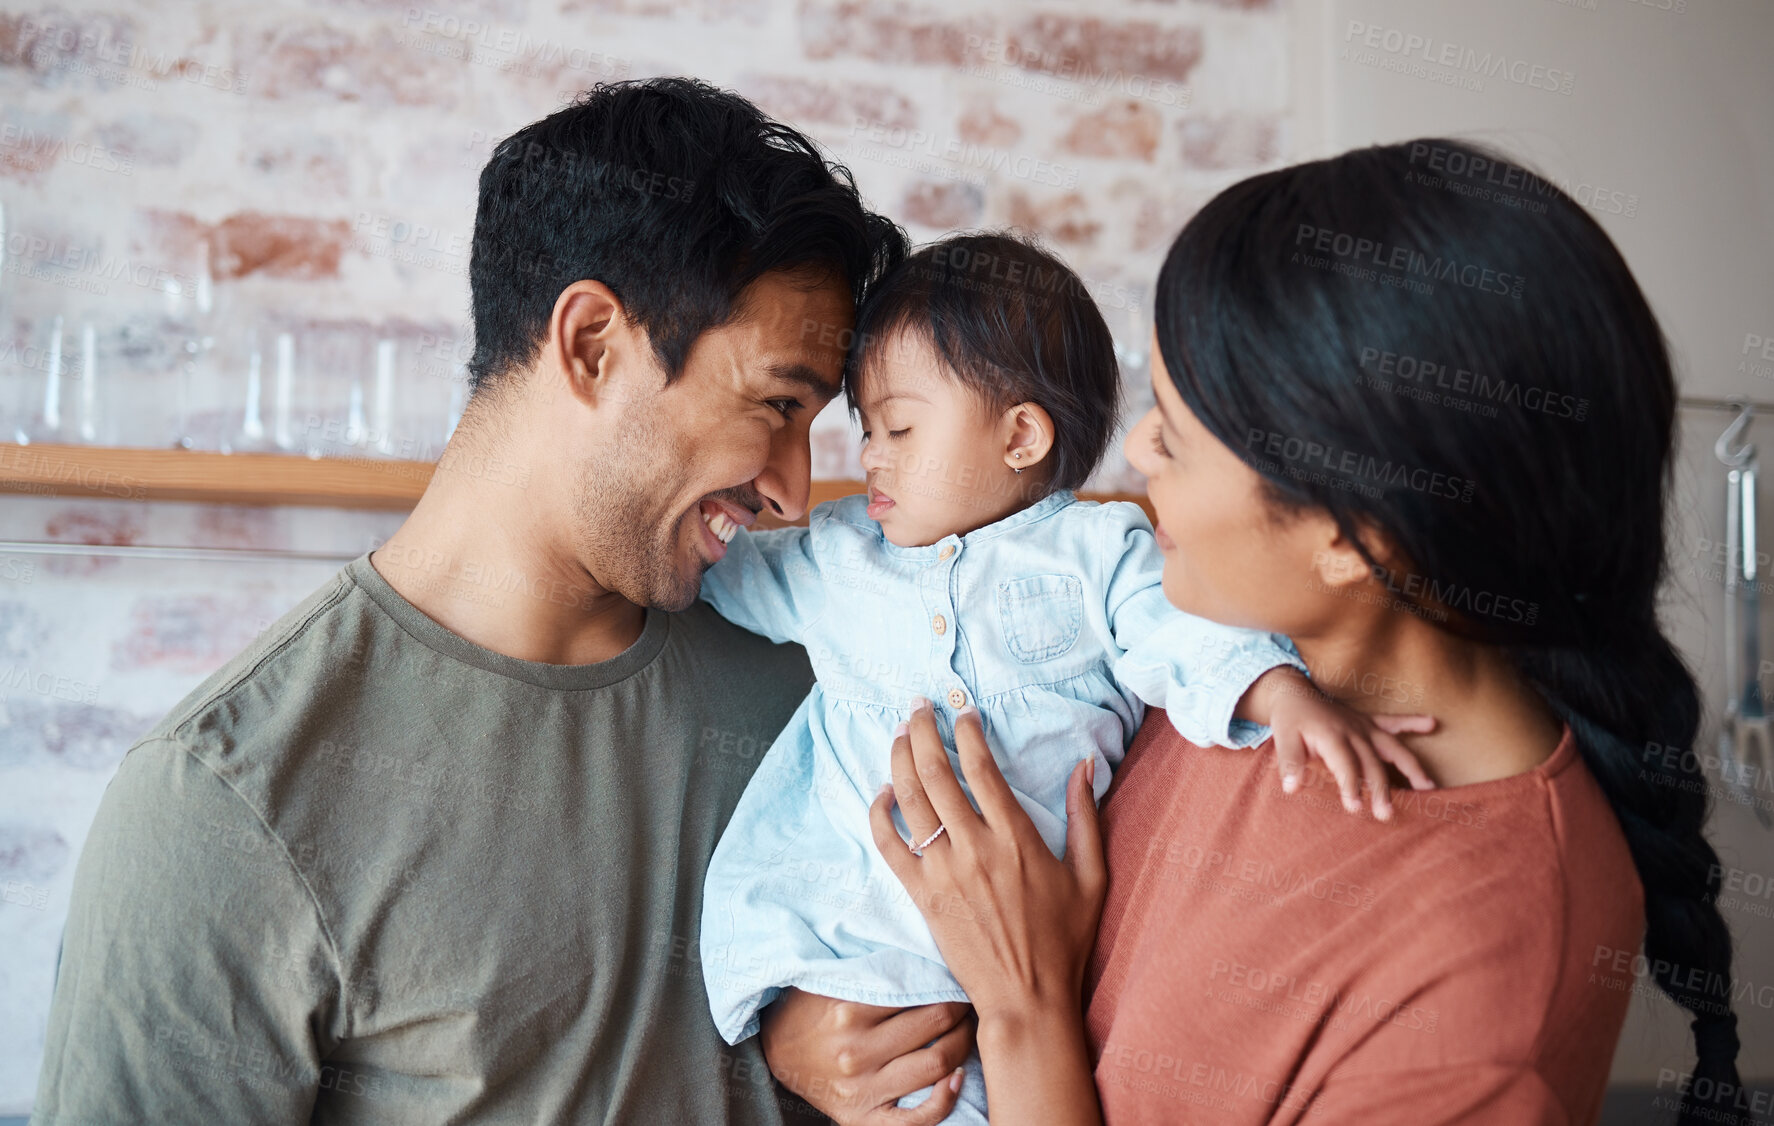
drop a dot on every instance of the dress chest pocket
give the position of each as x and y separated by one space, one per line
1041 615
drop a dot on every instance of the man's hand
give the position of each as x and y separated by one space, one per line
854 1062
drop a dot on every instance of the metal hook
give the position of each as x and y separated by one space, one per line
1722 448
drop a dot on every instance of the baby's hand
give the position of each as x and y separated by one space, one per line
1352 745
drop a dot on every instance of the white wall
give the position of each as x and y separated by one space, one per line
1666 130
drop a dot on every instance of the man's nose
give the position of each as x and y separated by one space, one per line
786 482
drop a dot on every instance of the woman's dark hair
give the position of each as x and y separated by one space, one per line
1448 355
1014 325
673 193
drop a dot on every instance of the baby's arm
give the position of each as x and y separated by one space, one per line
1201 672
1195 669
768 583
1354 745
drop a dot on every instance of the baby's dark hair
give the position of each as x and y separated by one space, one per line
1014 325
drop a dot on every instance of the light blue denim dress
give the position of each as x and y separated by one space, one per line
1051 621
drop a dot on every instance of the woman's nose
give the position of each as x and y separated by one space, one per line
1133 446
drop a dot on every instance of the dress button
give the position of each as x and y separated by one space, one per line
939 625
957 698
948 549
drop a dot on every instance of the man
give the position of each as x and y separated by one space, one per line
432 849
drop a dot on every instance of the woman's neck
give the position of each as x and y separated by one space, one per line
1490 723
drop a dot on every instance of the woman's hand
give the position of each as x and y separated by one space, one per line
855 1062
1014 923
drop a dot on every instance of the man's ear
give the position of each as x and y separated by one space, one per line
1028 435
601 355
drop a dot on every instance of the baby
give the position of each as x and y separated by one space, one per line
986 384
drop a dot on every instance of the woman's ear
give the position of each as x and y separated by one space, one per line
1028 435
1339 563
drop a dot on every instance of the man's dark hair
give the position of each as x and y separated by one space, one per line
676 195
1014 325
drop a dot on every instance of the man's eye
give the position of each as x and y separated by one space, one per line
786 406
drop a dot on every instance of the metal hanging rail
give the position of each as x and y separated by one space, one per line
1692 403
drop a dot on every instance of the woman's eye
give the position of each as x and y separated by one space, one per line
1158 442
899 433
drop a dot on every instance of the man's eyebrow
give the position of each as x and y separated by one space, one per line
805 376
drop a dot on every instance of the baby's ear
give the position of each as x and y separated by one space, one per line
1028 435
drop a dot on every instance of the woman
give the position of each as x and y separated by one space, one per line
1426 435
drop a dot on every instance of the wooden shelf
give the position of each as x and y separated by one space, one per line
263 479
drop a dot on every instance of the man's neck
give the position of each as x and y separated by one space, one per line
486 554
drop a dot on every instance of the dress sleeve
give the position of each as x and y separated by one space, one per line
768 583
196 981
1195 669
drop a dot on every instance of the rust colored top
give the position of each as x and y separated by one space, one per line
1271 958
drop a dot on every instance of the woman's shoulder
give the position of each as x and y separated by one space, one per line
1462 932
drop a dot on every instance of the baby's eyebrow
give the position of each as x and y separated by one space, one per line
888 398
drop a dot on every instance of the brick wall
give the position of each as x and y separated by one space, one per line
232 172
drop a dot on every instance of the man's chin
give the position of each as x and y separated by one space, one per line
679 588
